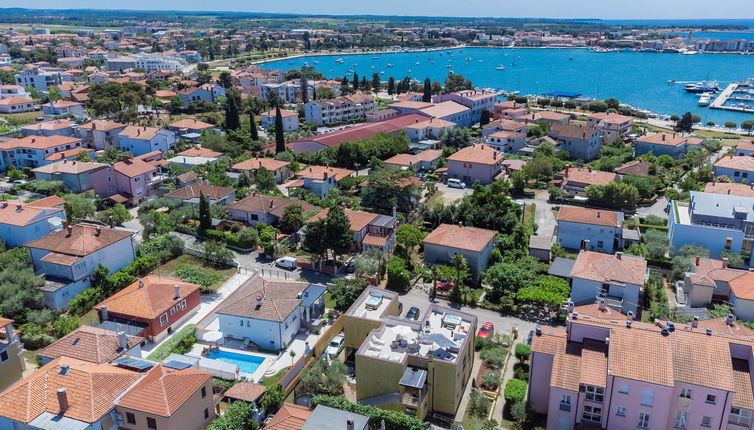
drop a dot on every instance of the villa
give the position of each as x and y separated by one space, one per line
737 167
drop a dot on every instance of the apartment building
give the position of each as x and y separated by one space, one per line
140 140
40 80
12 364
603 229
658 144
23 222
101 134
475 163
420 366
346 108
77 176
35 151
613 125
290 119
718 222
475 100
616 373
736 167
581 142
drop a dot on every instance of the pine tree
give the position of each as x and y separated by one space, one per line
338 231
304 87
232 121
344 81
391 85
376 82
253 127
427 97
205 218
279 136
355 81
364 85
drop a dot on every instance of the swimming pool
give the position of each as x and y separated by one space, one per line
246 363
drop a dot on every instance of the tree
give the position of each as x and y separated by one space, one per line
155 223
237 416
265 182
355 83
747 125
657 243
734 260
279 137
292 219
376 83
427 96
232 104
78 207
485 117
479 406
455 83
118 213
332 233
730 125
612 103
398 276
371 262
272 398
391 86
615 195
456 138
345 292
205 218
253 127
216 252
83 156
225 80
458 261
548 292
304 87
685 124
506 278
323 377
409 236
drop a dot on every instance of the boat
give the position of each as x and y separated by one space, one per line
448 66
689 53
671 81
417 63
354 64
382 72
705 99
500 67
339 61
375 58
371 67
290 62
570 58
316 62
481 61
702 87
450 72
389 65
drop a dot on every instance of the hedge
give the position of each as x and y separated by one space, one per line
180 343
515 390
394 420
522 351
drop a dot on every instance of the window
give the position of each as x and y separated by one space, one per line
595 394
4 356
130 418
241 321
647 397
643 420
738 416
206 414
621 411
706 422
565 403
592 414
164 318
204 392
600 244
711 398
680 419
623 388
686 393
151 423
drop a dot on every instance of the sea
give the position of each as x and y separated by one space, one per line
639 79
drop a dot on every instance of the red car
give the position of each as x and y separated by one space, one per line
486 330
445 285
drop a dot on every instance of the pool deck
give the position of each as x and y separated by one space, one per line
269 359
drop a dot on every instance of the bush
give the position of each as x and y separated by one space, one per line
515 390
518 411
494 356
195 275
491 380
394 420
523 351
398 276
479 406
521 372
180 343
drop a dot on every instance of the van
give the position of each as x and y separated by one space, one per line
456 183
289 263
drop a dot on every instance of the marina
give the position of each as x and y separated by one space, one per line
727 95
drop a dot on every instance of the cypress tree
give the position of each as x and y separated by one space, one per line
304 87
391 85
364 85
279 137
355 81
253 127
427 97
232 121
376 82
205 218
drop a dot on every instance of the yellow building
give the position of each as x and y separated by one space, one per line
12 364
419 367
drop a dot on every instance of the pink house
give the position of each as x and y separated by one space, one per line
130 180
610 372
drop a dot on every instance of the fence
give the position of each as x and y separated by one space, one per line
267 273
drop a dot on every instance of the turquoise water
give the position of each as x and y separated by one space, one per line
636 78
246 363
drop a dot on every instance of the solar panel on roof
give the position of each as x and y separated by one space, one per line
134 363
176 365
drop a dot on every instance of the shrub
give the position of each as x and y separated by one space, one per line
518 411
523 351
515 390
521 372
494 356
180 343
479 406
394 420
195 275
491 380
398 277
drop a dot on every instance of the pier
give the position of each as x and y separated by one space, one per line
719 102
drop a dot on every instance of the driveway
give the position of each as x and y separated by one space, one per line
449 195
544 218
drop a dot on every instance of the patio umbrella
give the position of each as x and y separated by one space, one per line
212 336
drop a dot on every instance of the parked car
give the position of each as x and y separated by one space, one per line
486 330
445 284
289 263
335 346
530 337
351 267
456 183
413 313
18 182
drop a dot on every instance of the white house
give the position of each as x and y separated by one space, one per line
16 105
101 134
290 119
143 140
63 107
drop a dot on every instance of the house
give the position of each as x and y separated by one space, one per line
289 417
634 167
424 160
550 117
142 140
369 230
190 95
509 110
745 148
324 416
718 222
187 178
613 125
431 129
92 344
474 244
345 108
269 312
449 111
603 229
709 280
318 180
38 79
101 134
659 144
63 107
736 167
248 392
77 176
503 125
12 363
35 151
732 188
396 359
475 163
13 91
581 142
280 170
160 305
191 194
189 125
57 127
506 141
133 180
24 222
17 105
68 257
577 179
617 279
290 119
258 208
475 100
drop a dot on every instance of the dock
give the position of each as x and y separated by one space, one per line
720 100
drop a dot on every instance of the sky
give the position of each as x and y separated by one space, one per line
604 9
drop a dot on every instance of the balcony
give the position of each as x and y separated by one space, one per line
565 407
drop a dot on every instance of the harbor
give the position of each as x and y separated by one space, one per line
729 94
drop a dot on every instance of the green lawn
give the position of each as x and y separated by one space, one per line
170 267
329 302
274 379
90 317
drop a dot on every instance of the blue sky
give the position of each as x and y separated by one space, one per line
606 9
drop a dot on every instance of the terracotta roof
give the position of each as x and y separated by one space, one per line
60 259
318 172
92 344
191 124
479 154
133 167
196 190
5 322
736 162
619 268
102 125
255 163
83 239
163 391
283 113
22 214
68 153
588 176
187 177
668 139
140 133
732 188
289 417
707 271
279 299
589 216
246 391
48 202
365 131
91 391
719 325
610 118
572 131
358 219
39 142
444 109
634 167
552 116
15 101
259 203
743 397
454 236
429 155
743 286
432 123
49 125
62 104
200 152
69 167
148 297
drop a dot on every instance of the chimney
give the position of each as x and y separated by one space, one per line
177 291
122 340
619 255
259 302
103 311
696 261
349 424
69 231
98 231
628 323
602 306
725 263
709 332
64 369
575 315
598 214
271 202
631 315
695 322
111 221
394 212
141 283
730 319
62 400
19 207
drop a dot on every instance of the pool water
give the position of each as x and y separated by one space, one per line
246 363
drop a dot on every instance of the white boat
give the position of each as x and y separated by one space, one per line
689 53
316 62
500 67
705 99
481 61
339 61
389 65
450 72
375 58
417 63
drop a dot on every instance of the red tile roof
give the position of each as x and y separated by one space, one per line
588 216
289 417
196 190
455 236
732 188
618 268
279 299
148 297
80 239
736 162
163 391
365 131
479 154
92 344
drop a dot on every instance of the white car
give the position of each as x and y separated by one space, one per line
289 263
456 183
335 346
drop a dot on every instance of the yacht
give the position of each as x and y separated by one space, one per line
339 61
705 99
375 58
500 67
316 62
389 65
450 72
702 87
